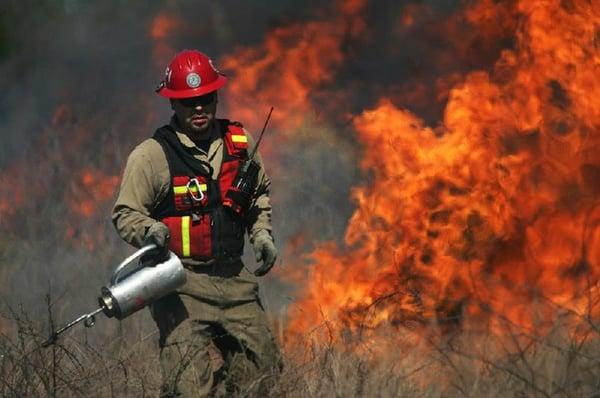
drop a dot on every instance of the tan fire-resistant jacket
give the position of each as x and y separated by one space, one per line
146 181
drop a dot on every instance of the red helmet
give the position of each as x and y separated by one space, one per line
190 74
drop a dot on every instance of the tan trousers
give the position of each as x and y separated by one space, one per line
221 309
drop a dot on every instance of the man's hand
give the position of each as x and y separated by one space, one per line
159 234
265 251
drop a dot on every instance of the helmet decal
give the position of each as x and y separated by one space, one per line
193 80
168 74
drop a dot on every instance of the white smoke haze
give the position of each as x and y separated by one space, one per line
78 83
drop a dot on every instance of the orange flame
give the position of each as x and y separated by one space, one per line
293 63
92 189
162 28
12 193
493 210
90 193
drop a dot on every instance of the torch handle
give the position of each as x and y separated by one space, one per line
121 267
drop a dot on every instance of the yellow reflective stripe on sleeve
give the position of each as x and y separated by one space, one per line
239 138
185 236
184 189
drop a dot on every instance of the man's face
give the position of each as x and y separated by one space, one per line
196 115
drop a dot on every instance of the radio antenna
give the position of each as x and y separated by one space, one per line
261 134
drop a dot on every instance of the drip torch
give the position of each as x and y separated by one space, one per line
133 285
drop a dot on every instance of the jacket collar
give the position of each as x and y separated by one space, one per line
215 138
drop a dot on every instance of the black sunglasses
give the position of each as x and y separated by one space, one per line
203 100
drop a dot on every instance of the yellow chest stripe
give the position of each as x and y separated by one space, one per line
185 236
180 190
239 138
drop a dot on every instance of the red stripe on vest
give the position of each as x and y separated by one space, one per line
178 181
174 224
200 237
228 173
237 149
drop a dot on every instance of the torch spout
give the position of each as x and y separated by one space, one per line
89 320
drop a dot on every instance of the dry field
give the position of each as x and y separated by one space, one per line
391 362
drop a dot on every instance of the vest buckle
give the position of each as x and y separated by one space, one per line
193 183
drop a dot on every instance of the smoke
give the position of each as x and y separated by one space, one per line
78 80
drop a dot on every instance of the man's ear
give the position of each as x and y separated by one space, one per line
171 100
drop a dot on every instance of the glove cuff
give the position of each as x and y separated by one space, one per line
158 233
261 234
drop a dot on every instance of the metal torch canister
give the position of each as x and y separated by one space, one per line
132 290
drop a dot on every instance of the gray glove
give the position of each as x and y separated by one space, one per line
265 251
159 234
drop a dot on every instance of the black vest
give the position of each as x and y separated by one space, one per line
201 225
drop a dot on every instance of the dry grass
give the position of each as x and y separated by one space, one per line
73 366
459 365
389 363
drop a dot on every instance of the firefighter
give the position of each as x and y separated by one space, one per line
178 192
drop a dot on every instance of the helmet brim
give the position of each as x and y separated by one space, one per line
193 92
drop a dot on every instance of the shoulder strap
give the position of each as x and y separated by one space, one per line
236 140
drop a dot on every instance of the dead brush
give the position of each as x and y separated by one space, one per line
561 362
388 362
72 367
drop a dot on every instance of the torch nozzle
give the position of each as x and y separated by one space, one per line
51 340
89 320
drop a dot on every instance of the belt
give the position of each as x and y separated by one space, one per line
224 267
